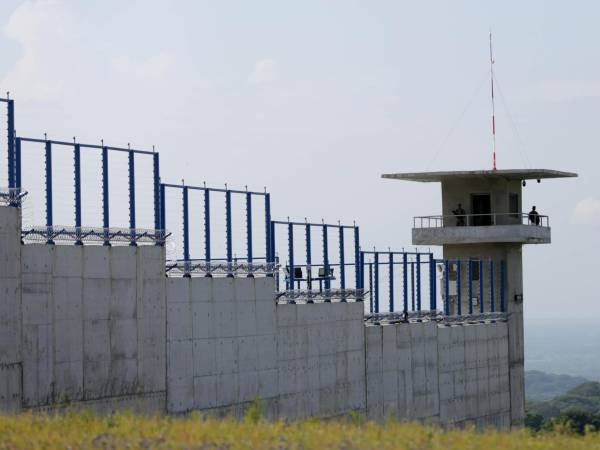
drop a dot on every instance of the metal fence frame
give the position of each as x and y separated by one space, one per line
187 259
78 233
307 227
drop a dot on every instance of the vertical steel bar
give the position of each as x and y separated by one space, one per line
48 161
272 239
371 308
18 164
77 170
458 287
376 262
11 143
308 258
418 282
432 305
157 198
326 259
291 257
249 225
362 271
391 281
207 227
470 285
163 208
492 299
446 288
357 261
105 205
131 167
502 289
412 285
405 280
228 230
186 233
268 255
481 277
342 258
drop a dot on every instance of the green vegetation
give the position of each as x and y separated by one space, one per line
83 430
544 386
577 410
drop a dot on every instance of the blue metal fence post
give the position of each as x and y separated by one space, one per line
371 306
376 262
163 208
207 231
48 161
105 206
458 287
131 167
268 256
481 277
326 261
502 281
362 272
342 259
446 288
357 260
11 143
186 233
405 280
77 169
228 232
249 230
418 282
290 257
272 249
391 281
308 260
412 285
18 164
470 285
492 304
157 199
432 305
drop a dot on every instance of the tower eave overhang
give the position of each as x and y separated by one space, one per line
507 174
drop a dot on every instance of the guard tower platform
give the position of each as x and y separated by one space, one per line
481 207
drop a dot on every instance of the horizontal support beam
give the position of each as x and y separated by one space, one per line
96 146
212 189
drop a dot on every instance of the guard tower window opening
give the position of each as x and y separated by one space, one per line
481 208
513 206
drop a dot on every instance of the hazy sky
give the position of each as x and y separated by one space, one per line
315 99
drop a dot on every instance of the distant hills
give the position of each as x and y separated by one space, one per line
545 386
584 398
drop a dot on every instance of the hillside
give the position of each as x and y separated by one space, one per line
585 398
545 386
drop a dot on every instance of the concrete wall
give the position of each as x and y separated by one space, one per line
93 324
10 309
321 359
221 338
102 327
230 343
453 375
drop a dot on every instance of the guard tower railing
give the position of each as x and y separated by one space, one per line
470 220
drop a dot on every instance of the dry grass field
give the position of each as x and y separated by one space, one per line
83 430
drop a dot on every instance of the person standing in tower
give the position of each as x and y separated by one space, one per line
534 217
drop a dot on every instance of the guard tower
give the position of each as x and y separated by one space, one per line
482 220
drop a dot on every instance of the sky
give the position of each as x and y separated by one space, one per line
316 99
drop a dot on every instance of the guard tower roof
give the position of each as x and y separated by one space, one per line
508 174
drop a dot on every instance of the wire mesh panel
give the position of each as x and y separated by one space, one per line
216 231
73 185
398 281
315 257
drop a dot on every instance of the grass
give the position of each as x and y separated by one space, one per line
76 430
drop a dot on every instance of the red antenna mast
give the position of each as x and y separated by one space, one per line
493 107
